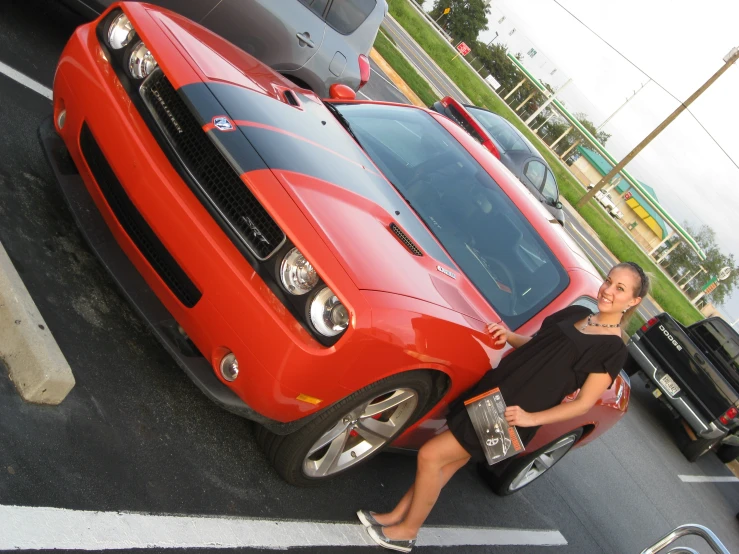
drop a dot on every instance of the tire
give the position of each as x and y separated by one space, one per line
697 448
523 471
337 440
727 453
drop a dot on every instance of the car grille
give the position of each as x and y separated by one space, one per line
134 224
217 179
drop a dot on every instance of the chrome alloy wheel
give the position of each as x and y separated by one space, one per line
359 433
543 462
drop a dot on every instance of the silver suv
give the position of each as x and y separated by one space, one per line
315 43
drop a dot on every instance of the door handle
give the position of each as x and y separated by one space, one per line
304 38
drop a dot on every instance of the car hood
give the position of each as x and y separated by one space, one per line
346 198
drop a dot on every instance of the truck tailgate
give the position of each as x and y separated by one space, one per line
689 367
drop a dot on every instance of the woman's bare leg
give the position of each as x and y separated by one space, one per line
401 509
440 452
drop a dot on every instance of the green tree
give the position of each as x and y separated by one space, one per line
683 261
602 136
466 19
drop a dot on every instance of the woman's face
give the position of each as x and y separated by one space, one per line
616 294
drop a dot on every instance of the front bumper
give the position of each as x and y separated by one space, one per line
681 404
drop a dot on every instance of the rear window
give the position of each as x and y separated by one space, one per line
480 227
347 15
722 344
500 130
460 119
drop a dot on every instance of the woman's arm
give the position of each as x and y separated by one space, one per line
501 334
595 385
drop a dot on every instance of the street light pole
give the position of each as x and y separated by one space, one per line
491 41
729 60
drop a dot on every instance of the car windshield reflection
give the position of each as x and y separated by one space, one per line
476 222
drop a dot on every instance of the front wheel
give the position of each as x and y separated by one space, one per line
727 453
528 468
349 432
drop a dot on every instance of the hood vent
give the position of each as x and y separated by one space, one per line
407 242
290 98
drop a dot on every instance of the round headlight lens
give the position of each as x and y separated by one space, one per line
141 63
297 273
120 32
327 314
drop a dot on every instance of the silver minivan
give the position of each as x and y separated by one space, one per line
315 43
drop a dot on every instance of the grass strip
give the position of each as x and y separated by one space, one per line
663 290
406 71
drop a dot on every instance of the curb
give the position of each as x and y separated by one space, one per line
388 70
35 364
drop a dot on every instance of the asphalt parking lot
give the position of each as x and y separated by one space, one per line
135 440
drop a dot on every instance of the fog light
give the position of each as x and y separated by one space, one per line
61 119
229 367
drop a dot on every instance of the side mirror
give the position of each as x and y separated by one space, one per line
337 91
558 205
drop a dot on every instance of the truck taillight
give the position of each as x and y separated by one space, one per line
730 414
649 323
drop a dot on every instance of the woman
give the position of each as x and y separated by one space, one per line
573 349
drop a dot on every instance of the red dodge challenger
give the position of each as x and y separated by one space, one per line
323 268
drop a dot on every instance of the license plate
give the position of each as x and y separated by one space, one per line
669 385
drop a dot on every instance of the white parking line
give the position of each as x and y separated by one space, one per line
707 479
37 528
25 81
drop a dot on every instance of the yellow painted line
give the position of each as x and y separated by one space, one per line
396 79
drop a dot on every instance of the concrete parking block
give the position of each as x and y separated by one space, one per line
36 365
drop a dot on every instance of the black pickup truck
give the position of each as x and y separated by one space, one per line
695 371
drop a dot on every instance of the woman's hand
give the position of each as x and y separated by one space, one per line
519 417
498 333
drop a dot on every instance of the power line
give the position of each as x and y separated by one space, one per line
649 76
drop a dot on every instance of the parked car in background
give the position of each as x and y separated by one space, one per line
314 43
325 269
695 372
510 146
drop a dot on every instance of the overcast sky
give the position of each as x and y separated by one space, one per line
679 44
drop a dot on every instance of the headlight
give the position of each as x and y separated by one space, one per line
297 273
141 63
120 32
328 315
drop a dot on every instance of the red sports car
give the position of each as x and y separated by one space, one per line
323 268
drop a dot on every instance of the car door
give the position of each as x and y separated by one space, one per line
534 173
284 34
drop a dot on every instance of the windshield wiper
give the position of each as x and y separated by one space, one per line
341 119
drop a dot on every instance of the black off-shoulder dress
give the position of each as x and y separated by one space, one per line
542 372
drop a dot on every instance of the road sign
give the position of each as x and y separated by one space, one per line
463 48
724 273
627 196
446 11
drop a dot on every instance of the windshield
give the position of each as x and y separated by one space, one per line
481 228
500 130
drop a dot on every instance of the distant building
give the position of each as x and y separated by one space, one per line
641 220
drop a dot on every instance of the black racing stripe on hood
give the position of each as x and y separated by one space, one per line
320 148
233 145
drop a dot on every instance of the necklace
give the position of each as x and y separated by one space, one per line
590 323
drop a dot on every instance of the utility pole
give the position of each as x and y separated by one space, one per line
622 105
729 59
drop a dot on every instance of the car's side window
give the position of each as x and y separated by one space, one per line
535 172
316 6
549 190
347 15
